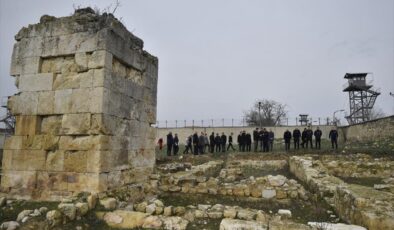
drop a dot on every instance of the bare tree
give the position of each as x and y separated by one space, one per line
376 113
271 113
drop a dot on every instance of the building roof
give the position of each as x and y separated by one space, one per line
352 75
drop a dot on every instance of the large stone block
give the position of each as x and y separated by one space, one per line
75 124
46 102
51 124
27 125
25 103
36 82
63 101
28 65
28 160
100 59
75 161
55 161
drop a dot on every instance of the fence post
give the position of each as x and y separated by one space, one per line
166 123
176 123
232 122
296 122
319 120
243 122
185 123
212 122
287 120
222 122
193 124
202 123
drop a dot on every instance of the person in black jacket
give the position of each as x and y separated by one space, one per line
170 143
195 143
303 138
309 137
243 141
261 134
239 141
223 141
212 142
333 135
256 139
317 135
287 138
176 144
271 137
230 142
189 141
218 143
265 138
201 143
296 138
248 138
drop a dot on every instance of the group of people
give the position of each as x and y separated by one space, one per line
262 139
306 138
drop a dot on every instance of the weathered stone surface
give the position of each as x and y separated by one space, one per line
23 214
174 222
109 203
123 219
269 193
68 209
232 224
10 225
338 226
87 101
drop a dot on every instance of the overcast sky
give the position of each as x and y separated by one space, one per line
217 57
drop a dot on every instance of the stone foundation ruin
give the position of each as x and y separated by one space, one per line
85 108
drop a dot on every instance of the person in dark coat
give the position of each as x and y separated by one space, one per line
261 134
212 142
218 143
265 138
287 138
223 142
243 141
296 138
201 143
303 138
195 143
256 139
309 137
317 135
239 141
271 137
230 142
189 141
176 144
333 135
170 143
248 138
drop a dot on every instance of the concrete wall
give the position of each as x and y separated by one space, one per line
278 130
376 130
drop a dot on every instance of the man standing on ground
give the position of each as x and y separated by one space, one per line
243 141
239 141
287 138
230 142
212 142
188 145
217 142
170 143
223 141
265 140
195 143
256 139
317 135
296 138
248 142
206 143
309 137
303 138
201 142
176 144
271 137
334 138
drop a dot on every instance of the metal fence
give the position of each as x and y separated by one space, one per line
233 122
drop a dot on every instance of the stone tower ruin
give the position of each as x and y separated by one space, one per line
84 111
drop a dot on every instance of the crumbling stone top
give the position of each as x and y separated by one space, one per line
84 20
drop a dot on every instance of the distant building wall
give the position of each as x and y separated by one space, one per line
184 132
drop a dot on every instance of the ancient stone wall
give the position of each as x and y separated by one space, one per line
377 130
85 108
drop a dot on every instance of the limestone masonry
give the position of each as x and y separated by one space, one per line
85 108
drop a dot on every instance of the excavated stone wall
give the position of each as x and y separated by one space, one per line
84 111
